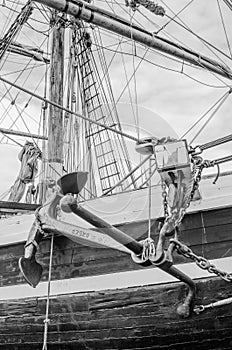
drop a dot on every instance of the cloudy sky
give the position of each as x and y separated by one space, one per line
171 96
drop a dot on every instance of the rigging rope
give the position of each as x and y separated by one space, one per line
228 3
220 99
68 110
184 26
149 200
210 163
46 321
214 143
175 15
212 115
23 16
224 27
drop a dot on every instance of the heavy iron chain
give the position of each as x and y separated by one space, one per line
183 249
165 201
200 261
197 174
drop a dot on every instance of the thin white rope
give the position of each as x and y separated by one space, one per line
201 39
46 320
210 117
224 28
208 110
207 44
149 200
136 117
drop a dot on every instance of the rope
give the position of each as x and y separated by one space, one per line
46 321
68 110
224 28
183 25
149 201
212 115
216 142
222 160
204 115
228 3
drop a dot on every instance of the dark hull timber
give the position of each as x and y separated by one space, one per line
101 299
137 317
132 318
207 233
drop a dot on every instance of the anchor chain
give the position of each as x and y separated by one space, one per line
165 201
198 174
200 261
176 215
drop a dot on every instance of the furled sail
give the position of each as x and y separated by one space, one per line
28 156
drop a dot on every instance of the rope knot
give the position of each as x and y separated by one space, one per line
149 249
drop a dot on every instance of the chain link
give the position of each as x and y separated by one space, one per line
203 263
165 201
198 172
175 216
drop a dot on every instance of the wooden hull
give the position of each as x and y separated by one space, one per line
132 318
139 317
100 299
208 233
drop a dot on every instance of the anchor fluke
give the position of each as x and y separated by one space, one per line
73 182
31 270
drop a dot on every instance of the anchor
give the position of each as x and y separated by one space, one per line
29 267
109 236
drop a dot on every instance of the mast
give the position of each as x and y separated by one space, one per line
116 24
55 119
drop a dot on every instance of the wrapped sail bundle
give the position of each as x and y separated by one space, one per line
28 156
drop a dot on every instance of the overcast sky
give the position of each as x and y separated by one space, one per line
168 102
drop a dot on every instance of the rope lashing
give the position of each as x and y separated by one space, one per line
46 320
149 249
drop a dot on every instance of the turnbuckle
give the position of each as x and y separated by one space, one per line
200 308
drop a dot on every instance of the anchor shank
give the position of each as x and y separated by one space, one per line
105 227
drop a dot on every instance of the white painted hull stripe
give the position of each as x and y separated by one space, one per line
109 281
